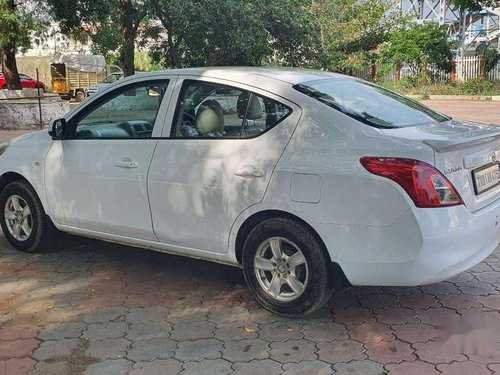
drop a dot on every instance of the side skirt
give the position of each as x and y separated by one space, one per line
222 258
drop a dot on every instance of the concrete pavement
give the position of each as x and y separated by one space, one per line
96 308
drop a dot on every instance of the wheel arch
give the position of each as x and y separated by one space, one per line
338 279
9 177
257 217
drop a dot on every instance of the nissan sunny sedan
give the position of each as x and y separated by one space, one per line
309 181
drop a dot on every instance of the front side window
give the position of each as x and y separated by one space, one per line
370 104
211 110
130 112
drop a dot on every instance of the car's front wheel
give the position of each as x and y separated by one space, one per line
23 219
286 267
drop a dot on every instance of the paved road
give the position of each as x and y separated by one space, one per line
484 111
97 308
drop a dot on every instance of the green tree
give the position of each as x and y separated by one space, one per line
321 34
15 26
419 46
491 56
347 29
112 25
210 32
475 5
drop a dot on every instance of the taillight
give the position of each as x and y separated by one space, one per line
425 185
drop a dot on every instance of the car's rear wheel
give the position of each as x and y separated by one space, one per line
286 267
23 219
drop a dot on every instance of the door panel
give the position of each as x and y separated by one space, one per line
98 179
86 189
198 187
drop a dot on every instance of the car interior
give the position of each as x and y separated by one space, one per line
214 111
131 114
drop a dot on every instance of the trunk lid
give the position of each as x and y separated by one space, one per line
467 153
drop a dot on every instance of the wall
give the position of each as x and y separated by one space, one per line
18 109
28 65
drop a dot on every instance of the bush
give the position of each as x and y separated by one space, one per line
416 86
480 86
418 47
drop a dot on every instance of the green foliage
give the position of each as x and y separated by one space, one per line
346 30
475 5
17 21
490 55
327 34
418 46
15 25
112 25
97 19
211 32
291 34
144 63
478 86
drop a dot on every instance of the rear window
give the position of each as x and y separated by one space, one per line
370 104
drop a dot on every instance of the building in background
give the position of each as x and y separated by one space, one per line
469 28
51 42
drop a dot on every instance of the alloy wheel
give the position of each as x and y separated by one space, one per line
18 218
281 269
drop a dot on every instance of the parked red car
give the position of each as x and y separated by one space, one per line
26 82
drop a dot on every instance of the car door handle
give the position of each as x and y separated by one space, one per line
127 163
249 171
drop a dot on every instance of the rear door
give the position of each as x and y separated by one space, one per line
215 160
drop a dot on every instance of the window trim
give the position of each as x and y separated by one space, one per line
73 122
182 91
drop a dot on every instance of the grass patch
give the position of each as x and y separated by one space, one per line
478 86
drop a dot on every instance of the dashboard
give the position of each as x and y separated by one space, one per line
123 129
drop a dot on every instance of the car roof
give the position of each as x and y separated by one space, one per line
292 76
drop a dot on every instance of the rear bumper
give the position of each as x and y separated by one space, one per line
423 246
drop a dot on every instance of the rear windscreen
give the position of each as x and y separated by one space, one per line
370 104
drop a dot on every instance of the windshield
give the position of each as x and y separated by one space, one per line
370 104
111 78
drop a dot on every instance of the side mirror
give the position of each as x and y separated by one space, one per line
58 129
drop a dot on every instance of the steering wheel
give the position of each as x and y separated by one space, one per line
186 116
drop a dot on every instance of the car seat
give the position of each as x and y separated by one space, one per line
209 117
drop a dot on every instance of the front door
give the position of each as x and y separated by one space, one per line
216 160
96 179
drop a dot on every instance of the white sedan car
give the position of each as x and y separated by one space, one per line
309 181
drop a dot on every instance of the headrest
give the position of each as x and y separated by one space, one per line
210 117
254 112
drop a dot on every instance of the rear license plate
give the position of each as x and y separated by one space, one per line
486 178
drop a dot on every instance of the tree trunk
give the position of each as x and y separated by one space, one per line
9 65
174 55
129 22
127 52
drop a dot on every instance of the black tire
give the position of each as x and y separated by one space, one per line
80 96
318 288
43 231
